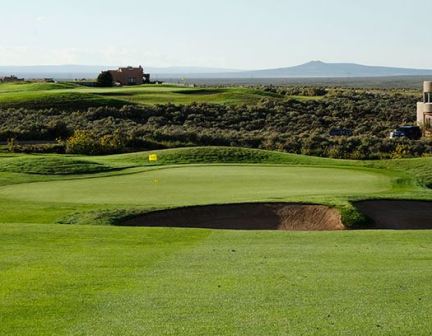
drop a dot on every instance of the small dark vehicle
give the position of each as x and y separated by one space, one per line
340 132
410 132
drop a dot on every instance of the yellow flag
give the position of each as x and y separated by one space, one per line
153 157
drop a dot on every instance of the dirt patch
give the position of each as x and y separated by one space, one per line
269 216
397 215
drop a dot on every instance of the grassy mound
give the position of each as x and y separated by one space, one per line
54 99
163 94
197 176
28 86
51 165
202 155
419 169
208 184
73 96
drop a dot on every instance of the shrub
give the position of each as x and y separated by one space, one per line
105 79
84 142
296 126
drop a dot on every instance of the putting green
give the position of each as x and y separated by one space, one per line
185 185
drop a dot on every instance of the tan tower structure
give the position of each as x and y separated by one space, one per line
424 108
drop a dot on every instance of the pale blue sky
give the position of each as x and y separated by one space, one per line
243 34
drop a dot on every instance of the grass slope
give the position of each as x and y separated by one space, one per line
50 165
106 280
420 168
54 99
100 190
206 155
64 95
28 87
191 185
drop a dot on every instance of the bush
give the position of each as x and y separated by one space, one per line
105 79
84 142
296 126
57 148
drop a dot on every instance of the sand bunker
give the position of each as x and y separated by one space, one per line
398 215
271 216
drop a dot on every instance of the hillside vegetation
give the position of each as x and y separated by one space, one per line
290 119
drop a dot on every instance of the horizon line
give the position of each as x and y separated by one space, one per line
213 67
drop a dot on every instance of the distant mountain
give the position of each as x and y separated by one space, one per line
321 69
314 69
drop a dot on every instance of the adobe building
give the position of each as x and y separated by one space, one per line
424 108
130 76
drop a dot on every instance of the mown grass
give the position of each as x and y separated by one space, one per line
50 165
207 155
54 99
73 96
96 187
196 184
29 86
71 280
419 169
106 280
156 94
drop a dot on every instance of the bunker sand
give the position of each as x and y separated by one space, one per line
398 215
250 216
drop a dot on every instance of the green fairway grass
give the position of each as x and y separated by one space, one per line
69 99
72 280
87 190
57 278
180 186
36 86
65 95
50 165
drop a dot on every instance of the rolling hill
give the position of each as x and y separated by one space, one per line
321 69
